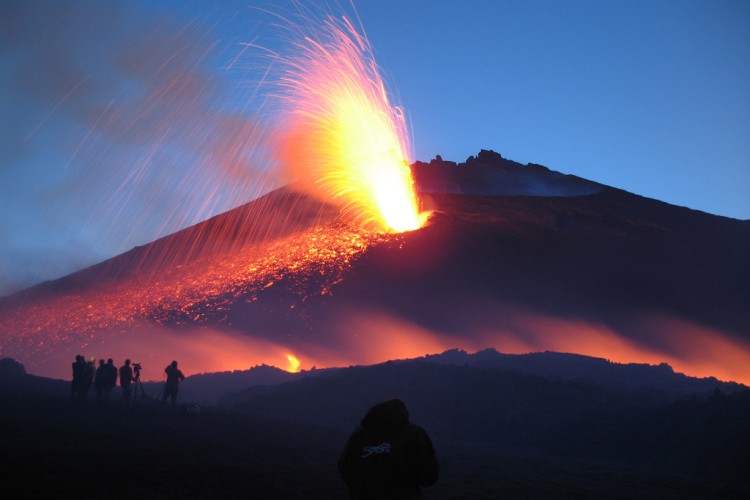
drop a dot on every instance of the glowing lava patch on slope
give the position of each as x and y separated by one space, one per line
340 138
200 294
294 363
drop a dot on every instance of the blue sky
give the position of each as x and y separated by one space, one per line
100 152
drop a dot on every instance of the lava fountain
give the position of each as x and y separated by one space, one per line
340 138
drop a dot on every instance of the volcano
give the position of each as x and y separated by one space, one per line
515 257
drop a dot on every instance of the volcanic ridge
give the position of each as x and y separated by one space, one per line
513 256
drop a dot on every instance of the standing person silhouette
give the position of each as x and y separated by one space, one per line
172 386
100 380
87 379
79 369
110 380
126 378
388 457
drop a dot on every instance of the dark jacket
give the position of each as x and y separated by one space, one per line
126 375
387 457
174 375
100 377
79 369
111 375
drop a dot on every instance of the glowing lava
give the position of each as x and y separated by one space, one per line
341 138
294 363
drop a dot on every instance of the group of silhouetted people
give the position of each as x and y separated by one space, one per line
104 379
386 457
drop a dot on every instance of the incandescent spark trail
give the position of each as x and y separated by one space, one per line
340 137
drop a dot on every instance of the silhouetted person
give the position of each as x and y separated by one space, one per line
172 386
79 370
110 380
100 380
126 379
388 457
86 379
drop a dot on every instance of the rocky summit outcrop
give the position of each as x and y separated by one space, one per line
489 174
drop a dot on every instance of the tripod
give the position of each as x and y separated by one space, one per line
138 385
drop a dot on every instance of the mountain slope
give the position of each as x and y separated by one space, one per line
607 273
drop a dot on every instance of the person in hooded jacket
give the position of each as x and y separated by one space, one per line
388 457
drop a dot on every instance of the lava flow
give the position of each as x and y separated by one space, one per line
340 138
201 293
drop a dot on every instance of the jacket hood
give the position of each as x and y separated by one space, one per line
391 412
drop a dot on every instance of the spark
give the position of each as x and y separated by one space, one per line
55 108
340 136
308 263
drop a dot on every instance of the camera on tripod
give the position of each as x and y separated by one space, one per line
137 368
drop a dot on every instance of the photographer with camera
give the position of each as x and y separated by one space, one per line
126 379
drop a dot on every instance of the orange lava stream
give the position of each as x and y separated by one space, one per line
185 295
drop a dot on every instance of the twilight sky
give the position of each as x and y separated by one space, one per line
123 121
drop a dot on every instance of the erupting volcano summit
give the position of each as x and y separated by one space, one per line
364 255
515 257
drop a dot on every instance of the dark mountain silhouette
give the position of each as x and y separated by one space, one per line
210 388
667 280
590 370
493 407
498 432
470 396
207 388
13 377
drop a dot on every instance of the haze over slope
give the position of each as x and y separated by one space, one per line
598 272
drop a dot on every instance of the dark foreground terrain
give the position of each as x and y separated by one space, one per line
498 434
54 449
